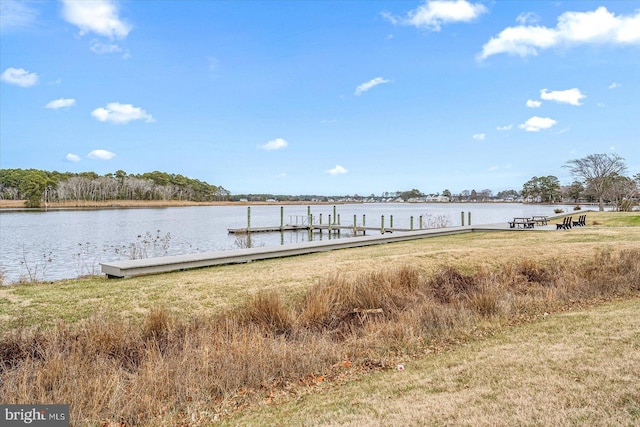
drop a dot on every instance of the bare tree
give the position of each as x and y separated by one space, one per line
598 172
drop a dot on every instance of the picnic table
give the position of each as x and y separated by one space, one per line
522 222
540 219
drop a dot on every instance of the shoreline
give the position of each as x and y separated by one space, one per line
118 204
121 204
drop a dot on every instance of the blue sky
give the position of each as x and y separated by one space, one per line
320 97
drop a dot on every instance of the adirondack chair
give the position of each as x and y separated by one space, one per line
565 224
577 223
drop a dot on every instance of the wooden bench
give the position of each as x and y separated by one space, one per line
521 222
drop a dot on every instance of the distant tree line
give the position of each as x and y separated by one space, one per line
597 178
39 186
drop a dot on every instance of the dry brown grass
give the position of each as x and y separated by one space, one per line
170 368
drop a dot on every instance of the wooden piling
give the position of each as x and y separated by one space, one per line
281 218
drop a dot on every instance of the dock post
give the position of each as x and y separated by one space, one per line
355 226
411 223
462 217
469 222
338 219
248 218
329 225
364 224
334 214
382 225
390 221
281 219
309 217
420 222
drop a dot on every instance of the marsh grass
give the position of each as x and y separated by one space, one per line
169 368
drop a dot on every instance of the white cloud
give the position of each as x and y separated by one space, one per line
533 104
274 144
72 157
16 14
61 103
535 123
19 77
121 113
479 136
527 18
432 14
614 85
370 84
101 155
95 16
102 48
573 28
569 96
504 128
338 170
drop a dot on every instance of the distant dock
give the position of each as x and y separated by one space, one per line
318 227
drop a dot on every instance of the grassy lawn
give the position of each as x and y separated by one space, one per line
576 368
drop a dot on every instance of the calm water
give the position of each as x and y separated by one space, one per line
51 245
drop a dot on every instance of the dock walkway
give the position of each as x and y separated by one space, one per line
128 268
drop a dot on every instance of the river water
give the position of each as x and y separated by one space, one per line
59 244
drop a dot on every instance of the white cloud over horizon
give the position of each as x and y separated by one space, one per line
96 16
533 104
72 157
19 77
60 103
504 128
569 96
370 84
100 154
337 170
118 113
573 28
274 144
434 13
535 124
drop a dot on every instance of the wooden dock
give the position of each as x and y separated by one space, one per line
316 227
128 268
